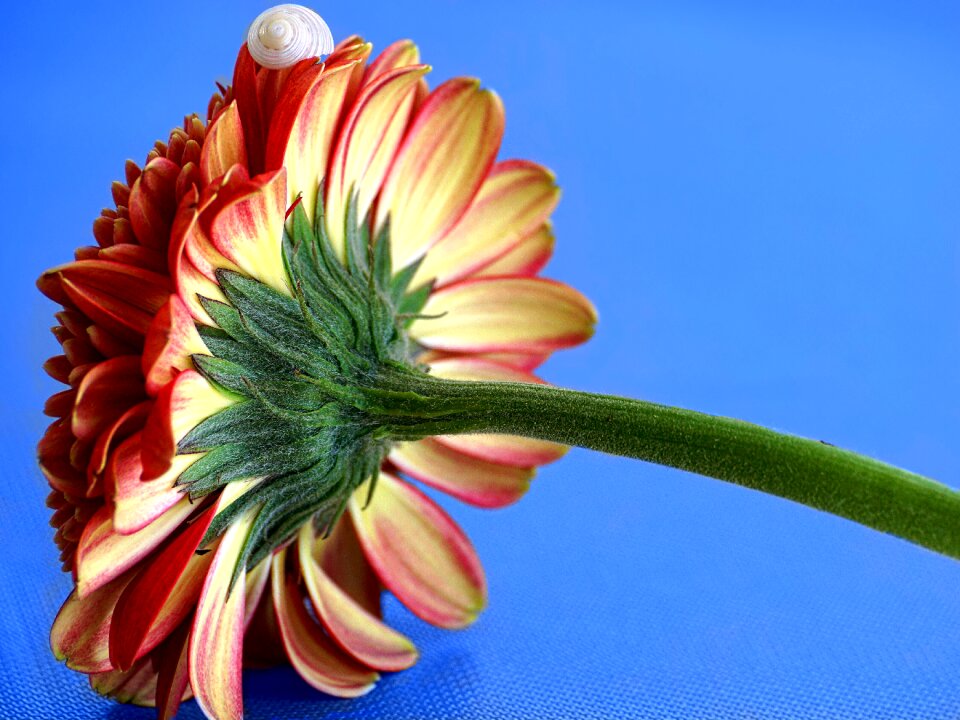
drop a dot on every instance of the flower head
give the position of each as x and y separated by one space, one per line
230 466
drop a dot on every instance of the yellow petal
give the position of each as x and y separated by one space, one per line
505 315
526 258
223 146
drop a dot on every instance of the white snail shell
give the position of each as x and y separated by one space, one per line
286 34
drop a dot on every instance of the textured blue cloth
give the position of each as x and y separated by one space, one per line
763 203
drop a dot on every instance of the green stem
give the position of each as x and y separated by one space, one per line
814 473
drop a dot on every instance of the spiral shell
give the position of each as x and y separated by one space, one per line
286 34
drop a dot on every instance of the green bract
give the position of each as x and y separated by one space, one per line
304 370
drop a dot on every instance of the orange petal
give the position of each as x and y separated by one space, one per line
312 654
303 128
514 200
511 450
248 230
223 145
440 166
216 644
466 478
505 315
367 144
104 554
81 633
170 342
526 258
106 393
421 555
153 202
359 633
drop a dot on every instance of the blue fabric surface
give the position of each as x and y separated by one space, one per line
761 199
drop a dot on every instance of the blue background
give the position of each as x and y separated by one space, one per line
762 200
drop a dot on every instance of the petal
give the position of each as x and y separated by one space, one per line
106 393
248 230
312 654
137 502
466 478
137 686
81 633
170 342
526 258
515 199
502 449
419 553
359 633
223 145
104 554
216 643
153 202
400 54
367 144
173 677
161 596
303 128
180 407
128 423
440 166
505 315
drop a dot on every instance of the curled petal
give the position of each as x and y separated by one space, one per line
180 406
505 315
223 146
106 393
81 633
466 478
354 629
104 553
153 200
170 342
439 168
420 553
313 655
515 199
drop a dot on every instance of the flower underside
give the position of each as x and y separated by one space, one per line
304 371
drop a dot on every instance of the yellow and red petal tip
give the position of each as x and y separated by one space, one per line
216 643
526 258
505 315
81 633
312 654
420 554
514 200
441 164
170 343
224 145
353 628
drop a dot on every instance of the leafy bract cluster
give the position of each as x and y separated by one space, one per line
301 368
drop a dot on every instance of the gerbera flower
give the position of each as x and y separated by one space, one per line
220 490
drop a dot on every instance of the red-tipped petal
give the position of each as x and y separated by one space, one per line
526 258
466 478
179 407
81 633
312 654
161 596
248 230
359 633
421 555
170 342
439 168
514 200
104 554
505 315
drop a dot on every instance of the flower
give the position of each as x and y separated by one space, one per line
219 496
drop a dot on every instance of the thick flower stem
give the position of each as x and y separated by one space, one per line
811 472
